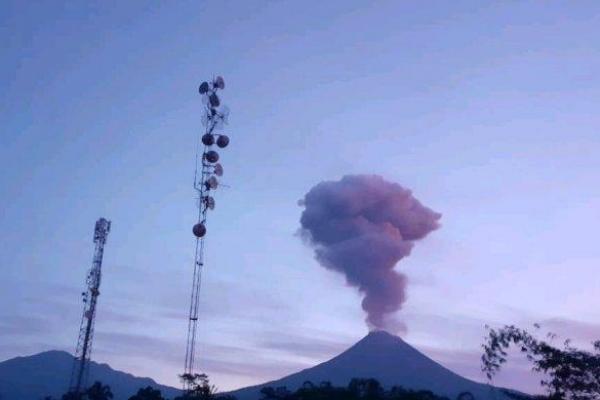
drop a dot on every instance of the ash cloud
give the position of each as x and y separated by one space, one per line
361 226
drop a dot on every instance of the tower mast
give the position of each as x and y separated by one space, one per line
90 298
205 182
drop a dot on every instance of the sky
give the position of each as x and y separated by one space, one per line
487 111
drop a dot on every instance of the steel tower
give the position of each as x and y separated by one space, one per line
90 298
205 182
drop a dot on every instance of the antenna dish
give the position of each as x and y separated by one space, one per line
203 88
210 202
219 82
218 170
211 156
222 141
208 139
214 100
212 183
199 230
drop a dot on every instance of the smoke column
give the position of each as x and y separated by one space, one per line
362 226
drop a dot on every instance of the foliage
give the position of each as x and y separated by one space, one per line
147 393
97 391
199 387
572 374
72 396
357 389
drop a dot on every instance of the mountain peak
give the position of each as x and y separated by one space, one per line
387 358
380 334
378 341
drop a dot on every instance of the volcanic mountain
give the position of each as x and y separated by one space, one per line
388 359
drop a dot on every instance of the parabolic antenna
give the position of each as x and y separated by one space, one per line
211 156
210 202
218 169
212 183
199 230
219 82
222 141
214 100
204 98
208 139
205 118
203 88
221 118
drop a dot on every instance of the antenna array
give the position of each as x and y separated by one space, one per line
205 183
83 350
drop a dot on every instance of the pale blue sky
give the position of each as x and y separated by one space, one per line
488 111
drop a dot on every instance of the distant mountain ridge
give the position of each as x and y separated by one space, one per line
388 359
48 373
379 355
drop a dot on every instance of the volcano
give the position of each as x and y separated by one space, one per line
388 359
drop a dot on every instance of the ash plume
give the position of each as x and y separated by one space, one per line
362 226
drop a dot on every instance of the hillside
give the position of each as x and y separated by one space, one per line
47 373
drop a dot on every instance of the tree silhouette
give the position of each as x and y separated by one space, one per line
147 393
98 391
199 387
72 396
368 389
572 374
465 396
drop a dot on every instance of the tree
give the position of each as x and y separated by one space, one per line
72 396
147 393
465 396
368 389
199 387
572 374
98 391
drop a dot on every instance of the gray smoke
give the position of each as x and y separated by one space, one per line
362 226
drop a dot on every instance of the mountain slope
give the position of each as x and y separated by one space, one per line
388 359
48 373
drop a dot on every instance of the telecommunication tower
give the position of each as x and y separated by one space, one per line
90 298
205 183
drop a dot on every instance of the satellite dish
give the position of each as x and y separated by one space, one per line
210 202
218 170
208 139
203 88
212 183
222 141
223 116
211 156
214 100
205 99
205 118
219 82
199 230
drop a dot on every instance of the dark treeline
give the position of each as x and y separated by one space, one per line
201 389
358 389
